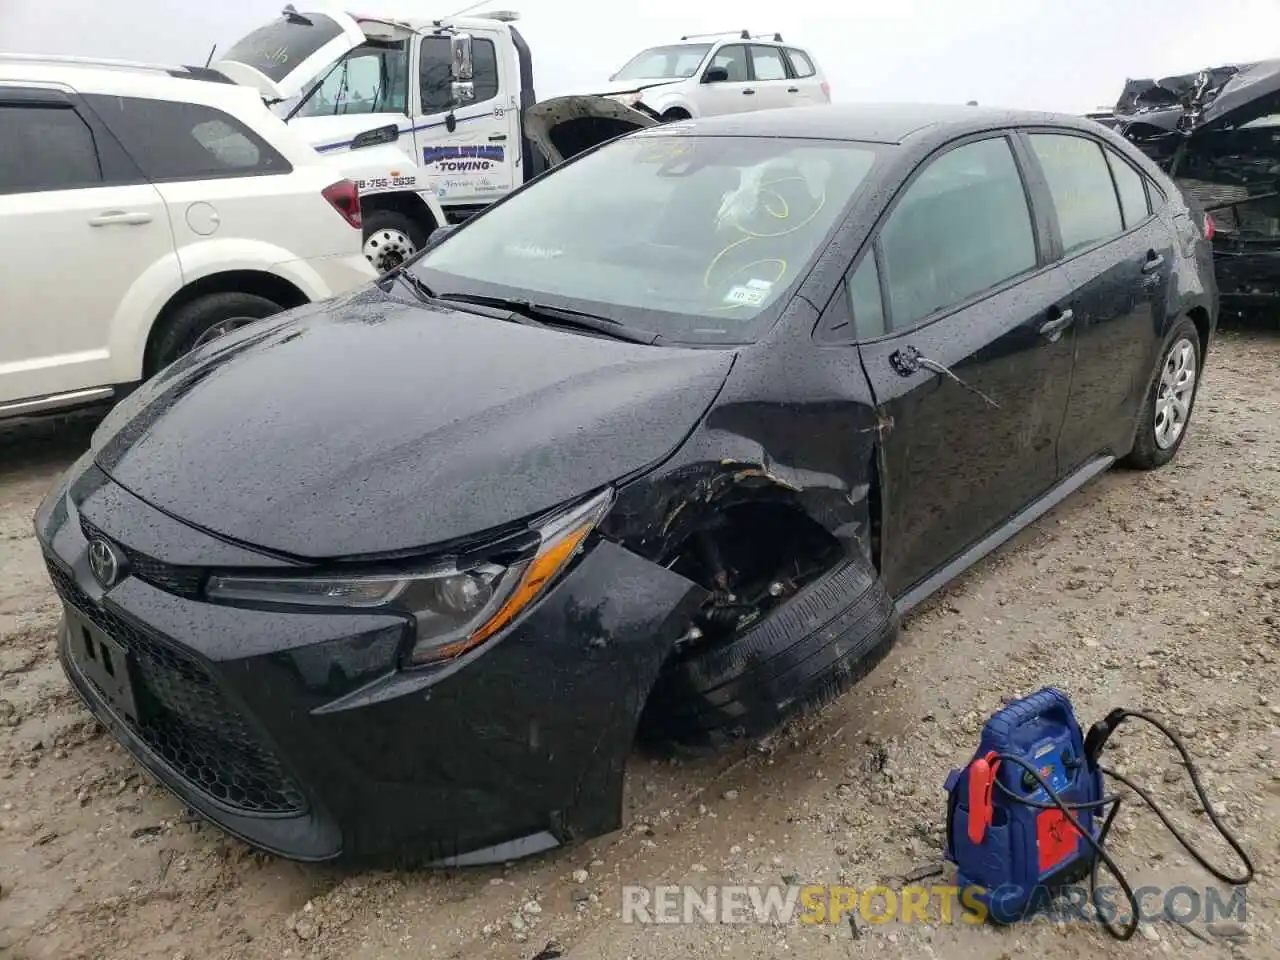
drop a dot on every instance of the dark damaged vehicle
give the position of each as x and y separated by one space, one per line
1217 134
665 442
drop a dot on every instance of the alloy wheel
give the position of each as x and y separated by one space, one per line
1176 390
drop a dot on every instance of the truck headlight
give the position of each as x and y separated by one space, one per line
456 608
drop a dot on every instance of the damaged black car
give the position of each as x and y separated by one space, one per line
662 444
1217 134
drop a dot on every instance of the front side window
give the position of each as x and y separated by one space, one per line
675 62
370 79
734 60
437 75
170 140
697 239
768 63
45 148
962 227
1132 190
1081 188
865 299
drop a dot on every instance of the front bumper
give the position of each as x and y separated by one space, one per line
296 731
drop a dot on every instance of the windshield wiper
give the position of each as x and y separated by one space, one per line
498 310
557 316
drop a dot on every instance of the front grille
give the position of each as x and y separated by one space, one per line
172 578
186 720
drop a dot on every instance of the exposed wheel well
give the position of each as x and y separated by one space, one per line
274 288
409 204
1200 317
675 113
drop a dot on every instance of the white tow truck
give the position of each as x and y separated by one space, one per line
433 119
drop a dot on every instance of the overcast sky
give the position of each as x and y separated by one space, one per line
1070 55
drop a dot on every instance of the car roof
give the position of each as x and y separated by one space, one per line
892 123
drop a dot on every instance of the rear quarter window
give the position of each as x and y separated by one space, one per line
170 140
801 62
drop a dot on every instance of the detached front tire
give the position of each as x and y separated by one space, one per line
1171 395
799 657
205 318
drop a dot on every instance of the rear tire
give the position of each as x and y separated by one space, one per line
799 657
206 317
391 238
1165 416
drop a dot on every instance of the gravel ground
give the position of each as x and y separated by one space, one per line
1153 590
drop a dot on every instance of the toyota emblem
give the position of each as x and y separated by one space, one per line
103 562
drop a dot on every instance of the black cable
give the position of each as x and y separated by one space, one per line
1097 739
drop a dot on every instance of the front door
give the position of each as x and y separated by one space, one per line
1118 260
967 344
474 157
733 95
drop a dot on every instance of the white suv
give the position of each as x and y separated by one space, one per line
143 210
701 77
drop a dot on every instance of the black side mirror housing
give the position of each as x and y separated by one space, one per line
715 75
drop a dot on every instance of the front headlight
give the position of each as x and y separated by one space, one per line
456 606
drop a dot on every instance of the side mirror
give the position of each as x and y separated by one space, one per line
439 233
715 75
460 55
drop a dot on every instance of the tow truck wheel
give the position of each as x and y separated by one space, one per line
391 238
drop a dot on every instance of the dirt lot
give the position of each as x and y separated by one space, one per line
1158 591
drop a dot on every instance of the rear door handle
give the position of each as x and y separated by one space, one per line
747 93
1152 263
793 89
1052 329
124 217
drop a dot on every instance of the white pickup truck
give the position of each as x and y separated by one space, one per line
419 111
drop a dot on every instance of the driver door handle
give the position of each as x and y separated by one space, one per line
747 92
125 217
793 89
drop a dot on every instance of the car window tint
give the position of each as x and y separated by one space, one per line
865 299
962 227
437 78
186 141
768 63
734 59
1133 192
1081 188
800 60
46 148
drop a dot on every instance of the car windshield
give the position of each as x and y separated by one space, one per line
664 63
697 239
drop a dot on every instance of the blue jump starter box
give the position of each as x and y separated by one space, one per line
1013 851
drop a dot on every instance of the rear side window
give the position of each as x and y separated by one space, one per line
1081 188
768 63
437 78
46 148
1131 188
186 141
734 59
962 227
800 60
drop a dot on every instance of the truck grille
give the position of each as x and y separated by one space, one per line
187 721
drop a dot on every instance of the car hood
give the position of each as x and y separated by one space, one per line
563 127
369 426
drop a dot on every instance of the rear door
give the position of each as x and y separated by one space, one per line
221 183
282 57
734 95
956 313
86 247
807 85
770 77
1118 257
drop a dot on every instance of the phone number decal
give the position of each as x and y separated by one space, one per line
385 183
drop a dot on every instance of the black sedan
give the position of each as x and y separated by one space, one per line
663 443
